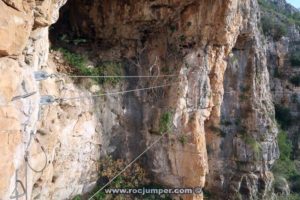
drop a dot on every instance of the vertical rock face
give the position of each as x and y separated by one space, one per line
245 139
72 143
206 32
222 136
283 63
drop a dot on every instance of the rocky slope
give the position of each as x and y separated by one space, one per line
218 108
282 61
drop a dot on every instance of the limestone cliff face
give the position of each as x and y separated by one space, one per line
283 64
66 132
215 49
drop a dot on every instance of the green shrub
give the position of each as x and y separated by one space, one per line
295 59
108 68
165 122
294 98
77 197
279 30
214 128
273 28
255 146
292 196
226 123
285 146
279 183
133 177
295 183
284 166
76 60
283 116
183 139
277 73
266 25
279 12
182 38
295 80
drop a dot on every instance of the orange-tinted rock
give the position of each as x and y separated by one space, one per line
15 27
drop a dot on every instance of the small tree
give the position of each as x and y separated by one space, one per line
295 59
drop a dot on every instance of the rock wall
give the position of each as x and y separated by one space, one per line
67 131
196 40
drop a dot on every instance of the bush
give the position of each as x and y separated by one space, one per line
281 185
103 69
273 28
77 197
295 59
133 177
295 80
255 146
266 25
279 12
284 166
285 146
109 69
294 98
165 122
283 116
183 139
289 197
279 30
76 60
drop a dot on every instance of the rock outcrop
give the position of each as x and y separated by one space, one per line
71 144
283 64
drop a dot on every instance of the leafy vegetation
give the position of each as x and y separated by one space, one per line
165 122
294 98
273 28
295 59
285 146
292 196
275 20
214 128
77 197
255 146
226 122
285 167
283 116
183 139
133 177
285 16
295 80
79 62
277 73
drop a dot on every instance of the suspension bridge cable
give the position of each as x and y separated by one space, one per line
43 75
133 161
142 76
116 93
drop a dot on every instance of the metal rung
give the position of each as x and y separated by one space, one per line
23 96
47 99
41 75
15 194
